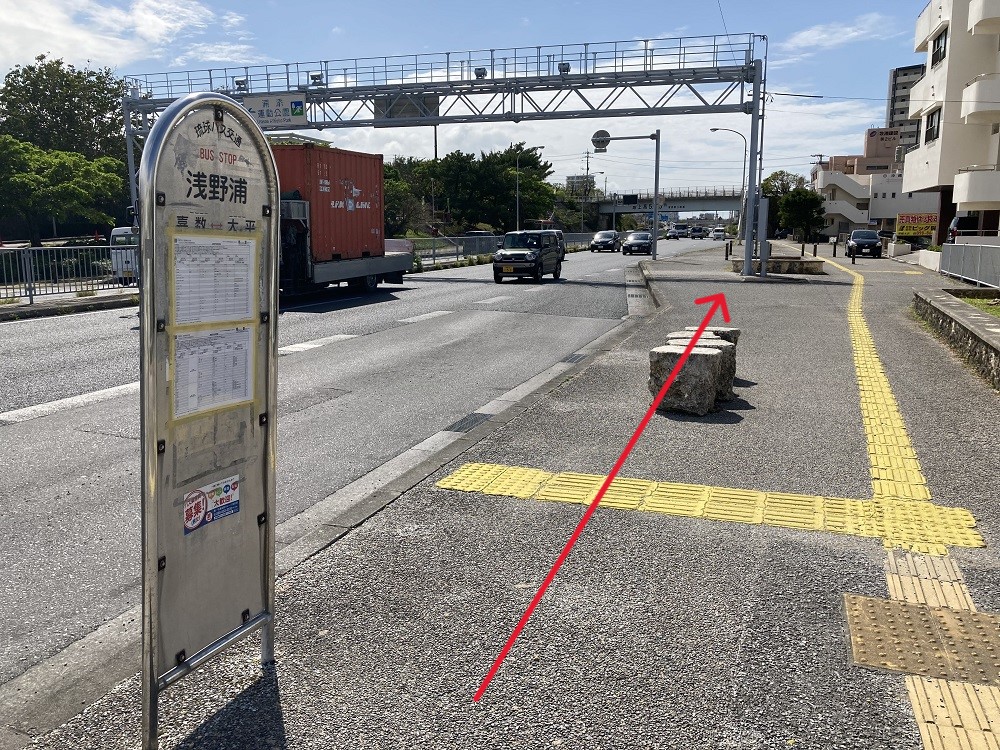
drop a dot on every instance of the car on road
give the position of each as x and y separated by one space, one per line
683 230
638 242
672 234
699 233
606 240
864 241
531 253
719 233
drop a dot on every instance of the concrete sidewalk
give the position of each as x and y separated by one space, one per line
68 302
671 625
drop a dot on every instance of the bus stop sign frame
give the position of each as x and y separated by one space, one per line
209 237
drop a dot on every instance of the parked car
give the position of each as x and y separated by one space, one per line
719 233
864 241
638 242
606 240
781 234
672 234
699 233
530 253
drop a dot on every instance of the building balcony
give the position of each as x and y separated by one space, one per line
984 16
981 99
932 19
977 188
847 210
921 98
826 179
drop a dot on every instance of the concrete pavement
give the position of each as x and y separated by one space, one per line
663 629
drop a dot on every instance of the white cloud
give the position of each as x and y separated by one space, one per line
225 53
116 33
336 30
804 44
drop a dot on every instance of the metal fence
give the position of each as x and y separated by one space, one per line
978 264
446 249
29 272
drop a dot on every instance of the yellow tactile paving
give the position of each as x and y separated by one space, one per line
908 524
955 715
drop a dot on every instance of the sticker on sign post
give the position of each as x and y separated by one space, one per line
211 503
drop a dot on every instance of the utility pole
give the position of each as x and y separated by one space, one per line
586 187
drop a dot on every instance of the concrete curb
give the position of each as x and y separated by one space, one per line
53 308
970 333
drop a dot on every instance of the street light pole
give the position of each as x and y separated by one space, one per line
517 184
602 138
743 187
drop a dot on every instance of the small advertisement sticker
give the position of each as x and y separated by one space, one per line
211 502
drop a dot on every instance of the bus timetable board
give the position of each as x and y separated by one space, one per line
208 200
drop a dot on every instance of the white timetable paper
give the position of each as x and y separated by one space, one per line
213 368
212 279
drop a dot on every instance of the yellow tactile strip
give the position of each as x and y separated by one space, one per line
916 526
955 714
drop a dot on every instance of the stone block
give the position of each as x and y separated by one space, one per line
695 387
727 371
729 333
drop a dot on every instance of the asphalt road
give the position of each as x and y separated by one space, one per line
423 355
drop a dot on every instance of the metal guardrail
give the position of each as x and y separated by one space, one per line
31 272
446 249
978 264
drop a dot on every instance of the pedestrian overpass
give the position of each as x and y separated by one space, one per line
675 200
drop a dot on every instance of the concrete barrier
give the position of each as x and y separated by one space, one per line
696 385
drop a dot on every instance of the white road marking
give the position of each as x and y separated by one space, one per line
609 270
491 300
314 344
533 289
52 407
320 304
426 316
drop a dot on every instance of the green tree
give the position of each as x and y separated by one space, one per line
801 209
59 107
402 208
36 184
775 186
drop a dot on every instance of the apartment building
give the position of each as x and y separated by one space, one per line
865 191
897 109
958 103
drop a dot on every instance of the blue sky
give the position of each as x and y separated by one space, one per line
841 50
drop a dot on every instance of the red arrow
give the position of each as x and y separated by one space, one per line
718 301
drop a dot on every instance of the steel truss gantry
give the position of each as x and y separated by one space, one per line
665 76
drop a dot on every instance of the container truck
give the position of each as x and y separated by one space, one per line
333 220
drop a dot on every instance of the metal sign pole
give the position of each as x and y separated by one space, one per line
751 227
656 193
209 219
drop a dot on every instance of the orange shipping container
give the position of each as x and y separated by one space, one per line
344 190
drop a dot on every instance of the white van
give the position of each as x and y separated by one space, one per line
124 255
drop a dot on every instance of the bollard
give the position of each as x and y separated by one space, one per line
835 248
803 253
727 251
814 249
853 256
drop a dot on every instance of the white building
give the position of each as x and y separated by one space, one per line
865 191
897 109
958 102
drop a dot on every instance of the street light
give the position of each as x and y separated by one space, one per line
743 186
517 183
602 138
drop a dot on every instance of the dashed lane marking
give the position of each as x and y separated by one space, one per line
314 344
426 316
52 407
492 300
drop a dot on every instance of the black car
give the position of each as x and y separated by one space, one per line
638 242
606 240
529 253
864 241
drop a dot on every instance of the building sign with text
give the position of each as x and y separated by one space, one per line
916 225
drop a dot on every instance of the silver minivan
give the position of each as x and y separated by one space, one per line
530 253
